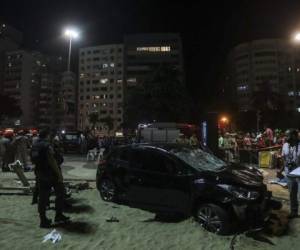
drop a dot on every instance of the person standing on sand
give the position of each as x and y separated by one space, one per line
291 156
48 176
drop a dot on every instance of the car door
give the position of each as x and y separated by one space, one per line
154 182
119 161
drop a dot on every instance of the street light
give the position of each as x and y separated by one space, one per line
296 40
71 34
297 37
224 119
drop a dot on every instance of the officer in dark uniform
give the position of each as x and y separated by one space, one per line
48 176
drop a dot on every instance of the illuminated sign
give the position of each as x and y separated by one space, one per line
154 49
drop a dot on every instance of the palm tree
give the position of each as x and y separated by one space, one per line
94 119
109 121
266 102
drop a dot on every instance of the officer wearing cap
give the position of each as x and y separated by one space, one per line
48 176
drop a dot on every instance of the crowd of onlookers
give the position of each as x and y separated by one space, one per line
230 144
15 146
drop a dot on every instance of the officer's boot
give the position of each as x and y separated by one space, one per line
45 222
61 218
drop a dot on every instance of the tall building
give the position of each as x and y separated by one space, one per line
101 86
10 39
273 62
144 53
33 80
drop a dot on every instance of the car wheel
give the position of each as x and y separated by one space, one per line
213 218
107 190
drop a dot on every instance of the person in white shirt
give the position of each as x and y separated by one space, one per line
291 156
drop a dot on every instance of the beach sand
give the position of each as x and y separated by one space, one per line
19 229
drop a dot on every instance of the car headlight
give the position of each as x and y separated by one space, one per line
240 193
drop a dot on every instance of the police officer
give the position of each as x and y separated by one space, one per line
48 176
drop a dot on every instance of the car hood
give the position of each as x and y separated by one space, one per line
238 175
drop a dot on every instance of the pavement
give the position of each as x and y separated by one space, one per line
75 167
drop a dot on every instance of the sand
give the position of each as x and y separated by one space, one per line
135 230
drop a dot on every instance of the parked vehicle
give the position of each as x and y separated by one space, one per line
175 178
71 142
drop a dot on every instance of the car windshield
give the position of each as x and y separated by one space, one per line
199 159
71 137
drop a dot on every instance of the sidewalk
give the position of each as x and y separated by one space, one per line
74 168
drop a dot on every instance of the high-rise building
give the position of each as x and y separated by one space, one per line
101 87
34 81
145 56
10 39
144 53
273 63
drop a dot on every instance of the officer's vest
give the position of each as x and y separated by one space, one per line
39 156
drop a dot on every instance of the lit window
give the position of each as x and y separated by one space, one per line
104 65
81 75
97 97
112 65
104 80
131 80
291 93
242 87
154 49
289 69
119 81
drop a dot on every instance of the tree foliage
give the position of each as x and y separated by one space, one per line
94 119
109 121
162 97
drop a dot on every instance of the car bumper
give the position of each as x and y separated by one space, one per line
257 213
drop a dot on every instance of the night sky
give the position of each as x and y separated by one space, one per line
209 29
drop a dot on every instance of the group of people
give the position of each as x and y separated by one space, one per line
288 144
15 147
44 151
230 144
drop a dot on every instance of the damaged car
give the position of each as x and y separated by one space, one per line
178 179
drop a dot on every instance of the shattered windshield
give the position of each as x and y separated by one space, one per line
199 159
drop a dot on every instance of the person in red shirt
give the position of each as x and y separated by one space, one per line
269 136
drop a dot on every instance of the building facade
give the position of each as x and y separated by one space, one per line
35 81
273 63
10 39
100 89
145 53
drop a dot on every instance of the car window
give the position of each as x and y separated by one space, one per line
70 137
151 161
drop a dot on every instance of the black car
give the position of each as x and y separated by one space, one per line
172 178
71 142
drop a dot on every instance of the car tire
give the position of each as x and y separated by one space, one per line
107 190
213 218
